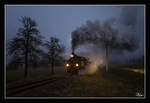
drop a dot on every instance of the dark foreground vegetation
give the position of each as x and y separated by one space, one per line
118 82
18 75
115 83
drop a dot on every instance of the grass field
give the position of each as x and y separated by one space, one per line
16 75
117 82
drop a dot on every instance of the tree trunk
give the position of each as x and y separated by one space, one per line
106 57
52 65
26 57
26 66
26 63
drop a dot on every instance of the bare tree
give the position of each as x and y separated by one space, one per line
54 50
26 41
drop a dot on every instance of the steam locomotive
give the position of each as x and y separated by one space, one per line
76 63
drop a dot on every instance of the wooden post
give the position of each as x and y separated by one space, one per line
106 58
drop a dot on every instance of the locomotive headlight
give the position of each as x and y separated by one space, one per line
77 64
67 65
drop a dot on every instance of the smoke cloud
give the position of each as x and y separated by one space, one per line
95 56
120 35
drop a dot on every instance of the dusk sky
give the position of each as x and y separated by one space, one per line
60 21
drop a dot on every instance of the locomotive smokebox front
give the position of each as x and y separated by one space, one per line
76 63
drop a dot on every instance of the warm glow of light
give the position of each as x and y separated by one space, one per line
72 55
138 71
77 64
67 65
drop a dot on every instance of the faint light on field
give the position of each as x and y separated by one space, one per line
136 70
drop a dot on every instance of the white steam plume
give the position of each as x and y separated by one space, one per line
96 59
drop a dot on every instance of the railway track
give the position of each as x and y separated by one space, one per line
28 86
